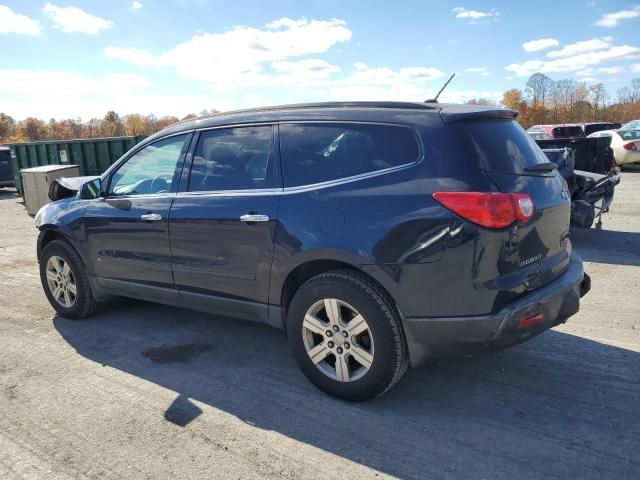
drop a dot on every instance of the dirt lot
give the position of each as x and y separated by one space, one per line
146 391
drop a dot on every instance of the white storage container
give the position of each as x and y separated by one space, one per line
36 182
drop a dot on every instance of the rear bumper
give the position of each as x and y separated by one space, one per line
557 301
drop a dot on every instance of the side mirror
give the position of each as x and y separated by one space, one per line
91 189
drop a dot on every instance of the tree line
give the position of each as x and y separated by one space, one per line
544 100
111 125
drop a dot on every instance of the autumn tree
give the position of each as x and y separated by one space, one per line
31 130
480 101
7 127
112 124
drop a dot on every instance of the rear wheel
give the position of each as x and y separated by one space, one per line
65 281
346 336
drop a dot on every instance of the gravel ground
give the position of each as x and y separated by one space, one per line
147 391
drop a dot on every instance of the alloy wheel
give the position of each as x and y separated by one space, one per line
338 340
61 283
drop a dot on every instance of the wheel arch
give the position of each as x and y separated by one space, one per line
305 270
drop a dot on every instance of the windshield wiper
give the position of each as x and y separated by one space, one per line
541 167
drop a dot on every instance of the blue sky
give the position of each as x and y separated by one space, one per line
67 58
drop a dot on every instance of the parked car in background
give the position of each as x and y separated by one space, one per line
593 127
632 125
6 174
556 132
624 143
375 234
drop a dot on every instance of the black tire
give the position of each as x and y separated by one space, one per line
84 304
390 360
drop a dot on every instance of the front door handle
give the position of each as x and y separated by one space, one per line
151 217
254 217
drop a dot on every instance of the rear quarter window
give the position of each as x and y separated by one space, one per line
499 145
315 153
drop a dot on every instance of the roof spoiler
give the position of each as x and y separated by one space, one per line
454 113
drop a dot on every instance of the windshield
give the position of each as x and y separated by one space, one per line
499 145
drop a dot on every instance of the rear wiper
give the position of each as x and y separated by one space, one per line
541 167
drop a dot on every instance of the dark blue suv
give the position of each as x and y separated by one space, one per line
375 234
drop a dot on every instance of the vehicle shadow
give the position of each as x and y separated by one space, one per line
559 405
8 193
607 246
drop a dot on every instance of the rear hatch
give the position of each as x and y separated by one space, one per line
499 146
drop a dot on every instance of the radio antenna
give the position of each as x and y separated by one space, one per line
435 99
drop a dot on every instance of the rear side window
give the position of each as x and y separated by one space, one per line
314 153
233 159
499 145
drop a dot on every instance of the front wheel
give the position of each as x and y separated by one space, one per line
346 336
65 281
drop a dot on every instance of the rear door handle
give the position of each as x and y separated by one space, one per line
254 217
151 217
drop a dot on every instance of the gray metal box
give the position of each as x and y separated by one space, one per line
37 180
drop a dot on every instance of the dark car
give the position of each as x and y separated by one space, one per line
6 174
554 132
594 127
375 234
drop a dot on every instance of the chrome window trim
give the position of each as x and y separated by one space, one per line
301 188
310 186
138 195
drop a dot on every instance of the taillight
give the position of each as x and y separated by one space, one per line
630 146
488 209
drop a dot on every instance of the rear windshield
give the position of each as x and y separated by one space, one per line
598 127
499 145
568 132
629 134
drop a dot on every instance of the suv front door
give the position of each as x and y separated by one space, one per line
222 226
127 228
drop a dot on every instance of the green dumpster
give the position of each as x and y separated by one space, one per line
92 155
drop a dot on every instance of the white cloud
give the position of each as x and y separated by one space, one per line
243 56
365 76
59 84
481 70
635 68
574 63
581 47
613 19
136 5
611 70
71 95
540 44
12 22
475 17
73 19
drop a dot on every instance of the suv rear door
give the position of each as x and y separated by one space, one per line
222 223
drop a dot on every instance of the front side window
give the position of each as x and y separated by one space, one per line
151 170
233 159
314 153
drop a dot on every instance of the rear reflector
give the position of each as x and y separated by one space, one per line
527 322
630 146
489 209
